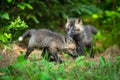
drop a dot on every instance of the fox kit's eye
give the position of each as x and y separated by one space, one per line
73 49
67 29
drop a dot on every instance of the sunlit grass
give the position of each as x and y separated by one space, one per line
79 69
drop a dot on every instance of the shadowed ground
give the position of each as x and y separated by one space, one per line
9 56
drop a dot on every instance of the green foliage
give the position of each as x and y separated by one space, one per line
98 36
9 32
22 5
53 14
4 15
17 24
112 17
9 1
4 37
48 13
0 57
111 27
80 69
109 67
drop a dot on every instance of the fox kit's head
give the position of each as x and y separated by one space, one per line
69 45
74 26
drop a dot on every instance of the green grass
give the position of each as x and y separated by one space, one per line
80 69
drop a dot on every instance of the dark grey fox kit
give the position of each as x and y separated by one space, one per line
52 41
83 35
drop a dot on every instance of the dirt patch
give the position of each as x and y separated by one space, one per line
9 56
109 53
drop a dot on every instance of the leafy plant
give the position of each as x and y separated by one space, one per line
10 32
4 15
17 24
80 69
22 5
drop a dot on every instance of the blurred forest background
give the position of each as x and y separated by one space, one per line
16 16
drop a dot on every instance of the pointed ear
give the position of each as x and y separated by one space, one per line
68 18
78 21
65 39
68 39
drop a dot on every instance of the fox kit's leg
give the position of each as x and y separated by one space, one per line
90 49
92 53
80 48
56 57
29 50
54 52
80 51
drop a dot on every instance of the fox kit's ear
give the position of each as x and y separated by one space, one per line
78 21
68 18
65 39
68 39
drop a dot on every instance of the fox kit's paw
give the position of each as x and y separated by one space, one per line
20 38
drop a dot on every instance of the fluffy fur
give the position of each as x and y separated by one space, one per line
83 35
52 41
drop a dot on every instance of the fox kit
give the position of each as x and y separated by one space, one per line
83 35
49 40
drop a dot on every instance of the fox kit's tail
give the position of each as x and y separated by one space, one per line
92 29
26 34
